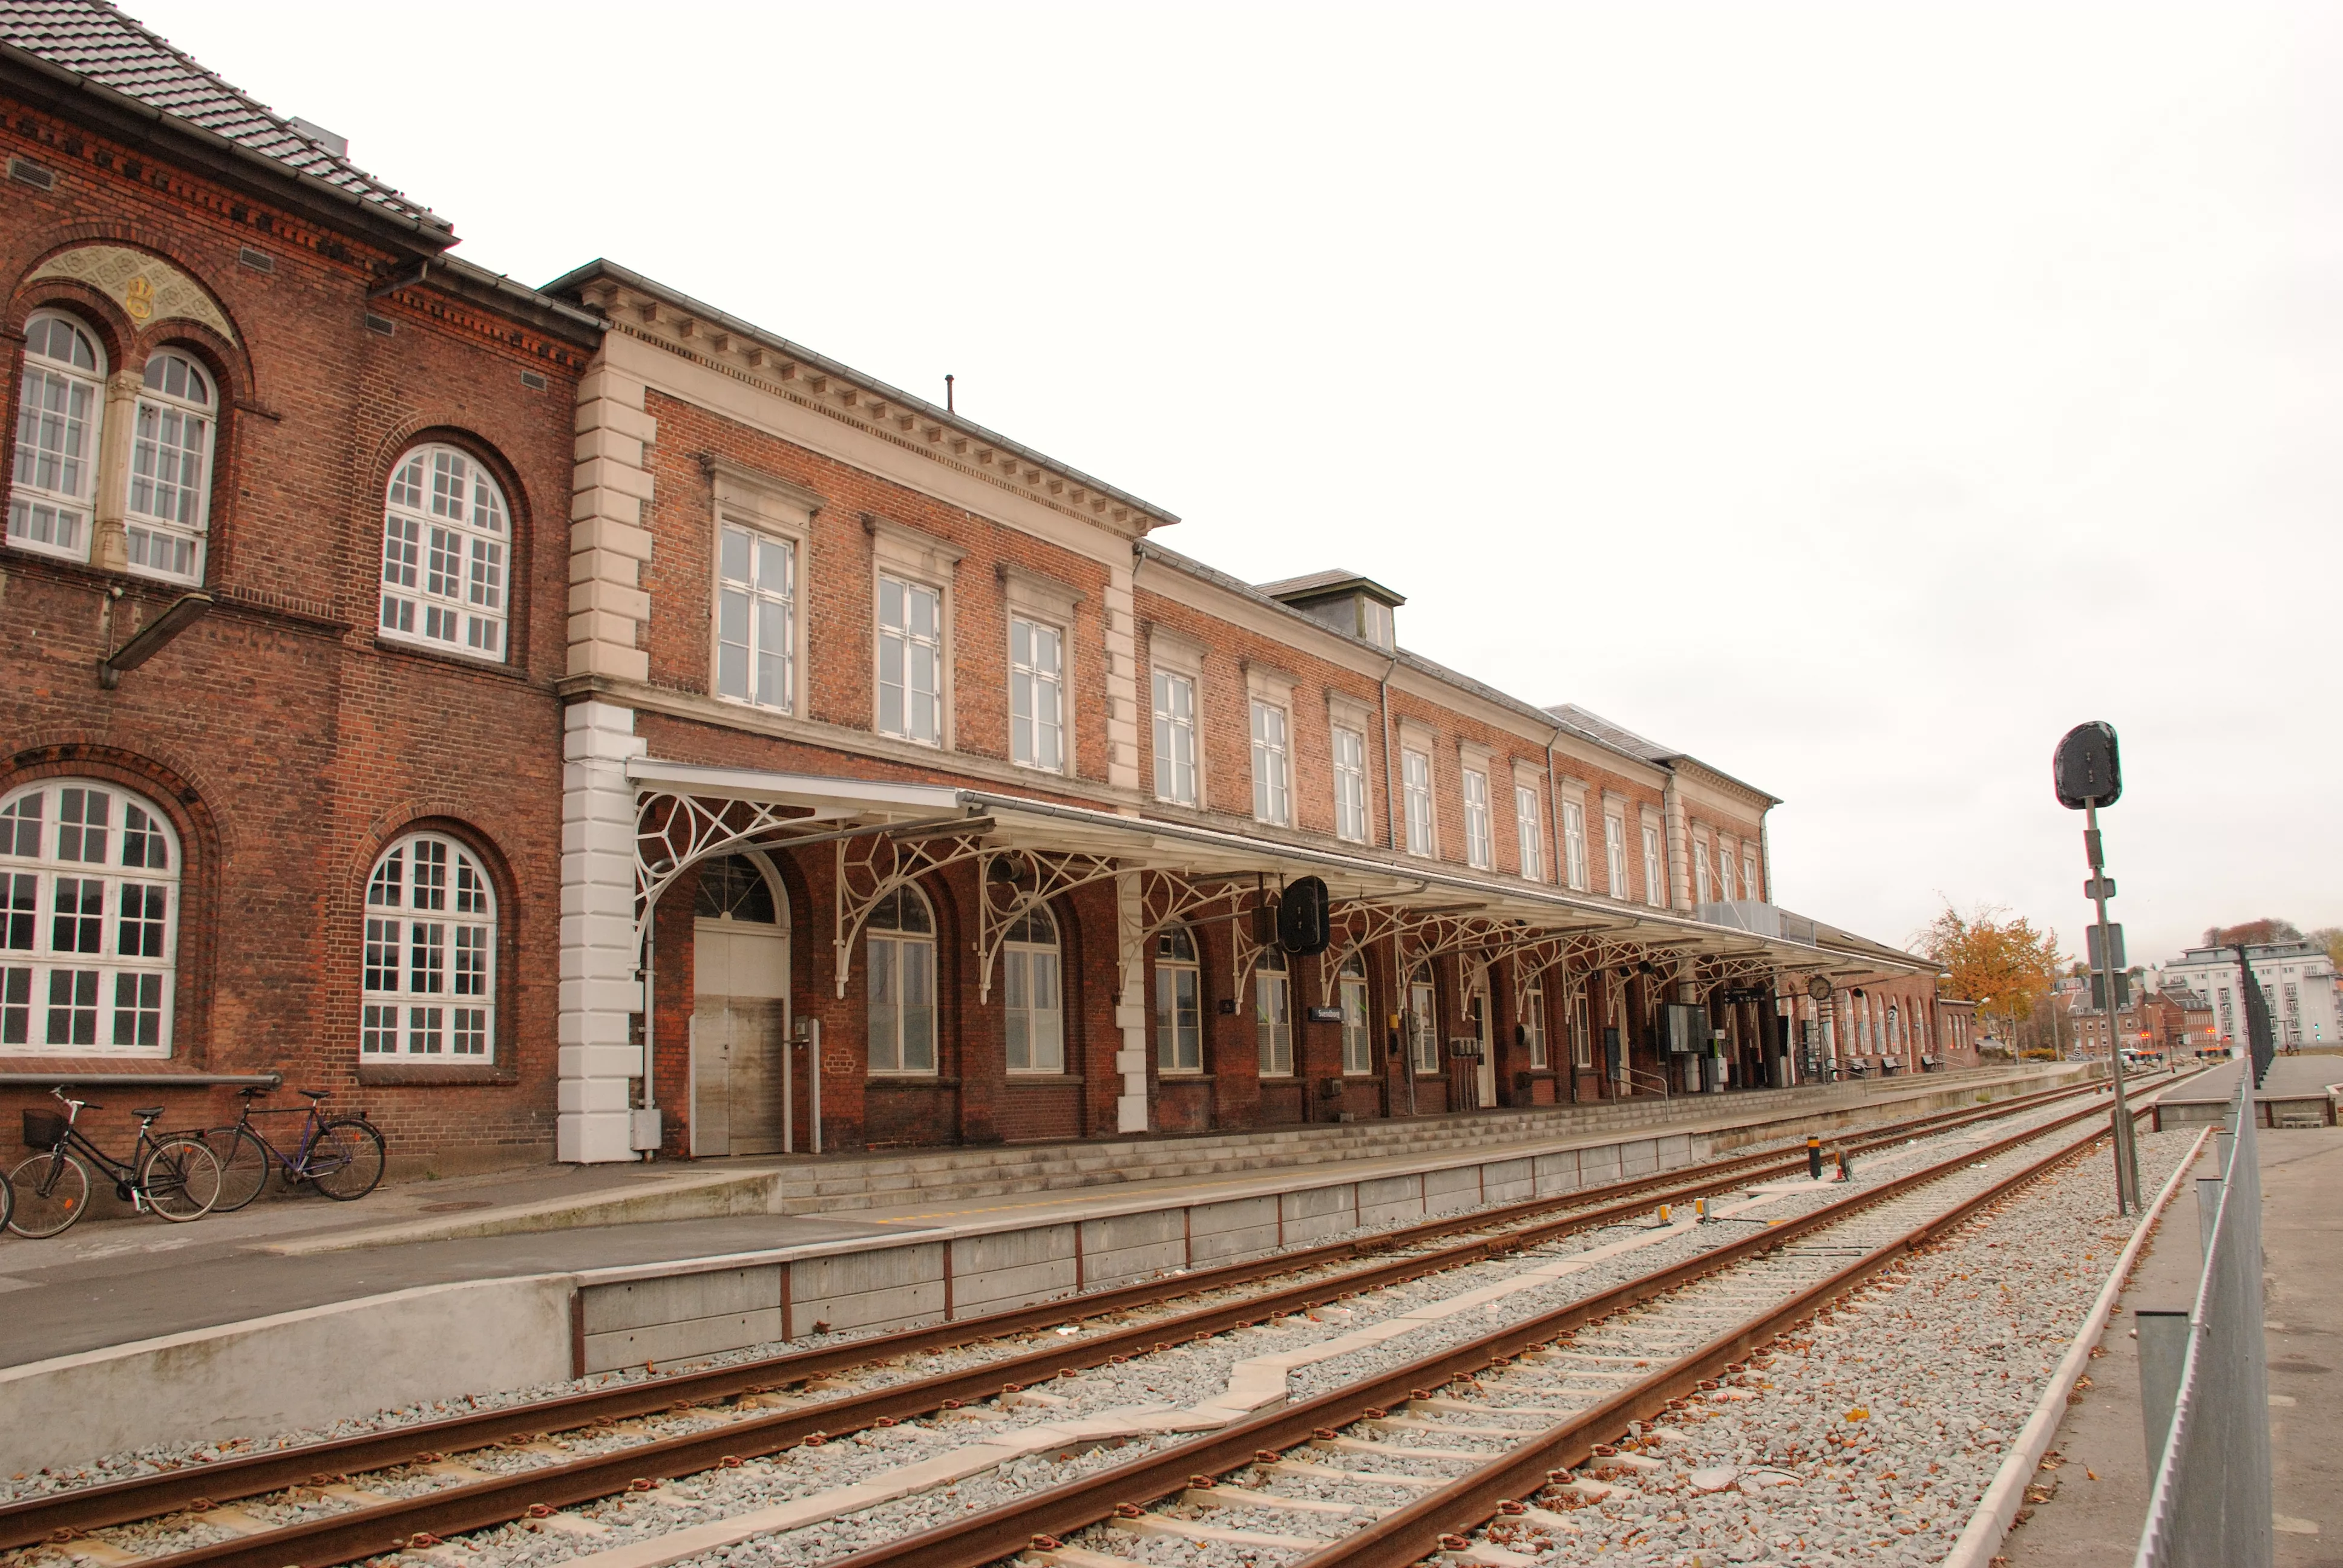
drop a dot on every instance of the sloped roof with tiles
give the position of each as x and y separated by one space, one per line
99 43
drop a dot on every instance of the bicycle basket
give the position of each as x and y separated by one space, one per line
43 1130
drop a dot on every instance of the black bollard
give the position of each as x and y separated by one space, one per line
1814 1159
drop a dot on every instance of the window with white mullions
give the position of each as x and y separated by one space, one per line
755 619
446 554
1749 889
1036 1031
59 400
1573 843
1699 872
1477 837
1349 785
1273 1011
1614 851
1656 881
1273 779
1415 782
88 913
1037 695
911 662
1529 832
1581 1035
1175 738
900 948
428 968
170 470
1179 1006
1422 1017
1533 1023
1358 1034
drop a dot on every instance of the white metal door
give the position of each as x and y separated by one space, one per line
740 1021
1485 1075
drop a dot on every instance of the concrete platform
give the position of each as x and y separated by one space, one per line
2297 1092
252 1324
2099 1492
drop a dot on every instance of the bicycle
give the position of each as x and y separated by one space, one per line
174 1176
343 1155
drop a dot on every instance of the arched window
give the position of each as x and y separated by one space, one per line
1423 1019
1179 1002
1358 1034
58 404
447 553
1273 1012
1037 1034
430 984
733 888
169 504
901 950
89 911
1533 1023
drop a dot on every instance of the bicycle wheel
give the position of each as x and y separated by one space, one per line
244 1166
52 1191
346 1159
7 1201
181 1178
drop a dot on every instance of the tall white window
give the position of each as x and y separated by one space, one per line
901 947
1724 873
1272 781
1656 881
89 907
1533 1024
1423 1020
446 554
1529 832
1415 783
1614 847
1477 836
911 662
1029 966
1581 1036
1175 738
1272 1012
1358 1032
430 971
1573 843
1699 872
1179 1004
58 402
756 617
1749 889
1037 695
1349 785
170 470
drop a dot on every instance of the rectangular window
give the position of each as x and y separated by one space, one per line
1477 851
1175 738
1423 1025
1724 873
911 662
19 893
1656 881
1582 1039
1179 1020
140 932
73 1007
1701 889
1415 782
902 1012
15 1006
1749 889
1573 843
1534 1024
1615 846
77 919
1273 1023
1036 1032
1358 1035
1037 695
1529 832
1273 798
755 619
1351 785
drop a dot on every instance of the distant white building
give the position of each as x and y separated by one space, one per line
2298 980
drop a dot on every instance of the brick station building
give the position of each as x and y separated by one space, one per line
616 729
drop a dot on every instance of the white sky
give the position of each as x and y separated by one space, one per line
1855 396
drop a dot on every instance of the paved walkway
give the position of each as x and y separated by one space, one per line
2094 1518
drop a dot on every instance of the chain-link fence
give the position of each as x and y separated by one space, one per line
2211 1504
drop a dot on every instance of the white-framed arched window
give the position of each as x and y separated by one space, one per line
168 510
1358 1032
447 554
89 915
59 401
1179 1002
431 969
1273 1012
1029 973
899 945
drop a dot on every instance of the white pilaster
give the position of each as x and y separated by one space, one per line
599 990
1130 1008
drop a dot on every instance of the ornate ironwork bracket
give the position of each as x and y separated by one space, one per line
1002 904
870 868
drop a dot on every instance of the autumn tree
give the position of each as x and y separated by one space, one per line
1994 959
2254 933
2331 939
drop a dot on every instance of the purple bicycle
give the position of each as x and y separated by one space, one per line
342 1155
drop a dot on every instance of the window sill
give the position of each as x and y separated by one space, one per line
1163 1076
449 658
417 1075
1043 1080
910 1080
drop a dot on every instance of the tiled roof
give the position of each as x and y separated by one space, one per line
97 41
1336 577
1618 736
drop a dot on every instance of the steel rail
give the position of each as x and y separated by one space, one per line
60 1514
1003 1531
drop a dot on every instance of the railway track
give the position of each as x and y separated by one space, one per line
716 1419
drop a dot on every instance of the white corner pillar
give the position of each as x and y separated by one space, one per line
600 990
1130 1110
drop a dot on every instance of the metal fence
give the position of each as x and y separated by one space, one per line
2211 1503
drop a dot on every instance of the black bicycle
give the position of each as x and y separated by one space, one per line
174 1175
342 1155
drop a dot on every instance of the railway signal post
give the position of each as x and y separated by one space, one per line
2086 773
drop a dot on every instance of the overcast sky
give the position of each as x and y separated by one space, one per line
1855 397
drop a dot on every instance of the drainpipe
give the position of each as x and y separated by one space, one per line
1561 860
1390 798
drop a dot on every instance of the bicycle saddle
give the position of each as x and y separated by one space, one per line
314 1094
148 1112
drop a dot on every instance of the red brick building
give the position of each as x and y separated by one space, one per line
317 833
